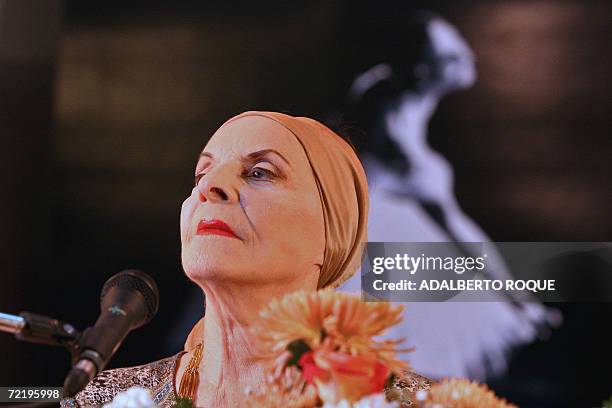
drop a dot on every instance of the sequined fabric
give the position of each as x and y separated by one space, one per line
158 377
405 386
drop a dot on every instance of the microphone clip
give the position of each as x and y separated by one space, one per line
46 330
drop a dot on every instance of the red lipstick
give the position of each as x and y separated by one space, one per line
217 227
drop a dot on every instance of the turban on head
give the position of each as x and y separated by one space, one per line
343 191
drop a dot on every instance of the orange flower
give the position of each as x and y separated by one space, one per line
462 393
310 369
341 376
290 390
339 321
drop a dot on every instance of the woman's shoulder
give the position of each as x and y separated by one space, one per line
157 377
404 387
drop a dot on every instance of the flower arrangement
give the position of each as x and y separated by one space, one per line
460 393
139 397
325 342
320 350
135 397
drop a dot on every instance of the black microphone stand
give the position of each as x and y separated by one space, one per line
35 328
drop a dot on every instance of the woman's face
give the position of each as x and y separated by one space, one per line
254 176
454 57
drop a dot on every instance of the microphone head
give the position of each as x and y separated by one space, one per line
138 281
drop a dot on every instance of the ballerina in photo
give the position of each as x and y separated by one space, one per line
412 200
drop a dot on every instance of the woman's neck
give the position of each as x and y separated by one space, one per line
429 175
227 365
228 343
407 124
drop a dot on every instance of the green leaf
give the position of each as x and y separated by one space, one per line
183 402
297 348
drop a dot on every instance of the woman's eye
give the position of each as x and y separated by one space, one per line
260 173
257 173
198 177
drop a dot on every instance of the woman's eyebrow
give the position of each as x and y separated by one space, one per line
253 156
261 153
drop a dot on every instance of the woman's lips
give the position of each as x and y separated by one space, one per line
215 227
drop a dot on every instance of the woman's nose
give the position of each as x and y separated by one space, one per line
216 186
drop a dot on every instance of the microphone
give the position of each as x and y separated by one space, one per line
128 300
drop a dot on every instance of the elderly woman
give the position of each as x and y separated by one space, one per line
279 204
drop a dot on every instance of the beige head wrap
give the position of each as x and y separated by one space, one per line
343 191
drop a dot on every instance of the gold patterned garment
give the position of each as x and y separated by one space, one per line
159 378
405 387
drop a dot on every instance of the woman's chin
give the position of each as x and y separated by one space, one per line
213 247
202 264
200 273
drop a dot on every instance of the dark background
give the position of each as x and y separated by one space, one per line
105 105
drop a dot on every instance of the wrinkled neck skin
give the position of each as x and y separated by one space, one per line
231 310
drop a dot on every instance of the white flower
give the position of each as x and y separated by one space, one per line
342 404
370 401
135 397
